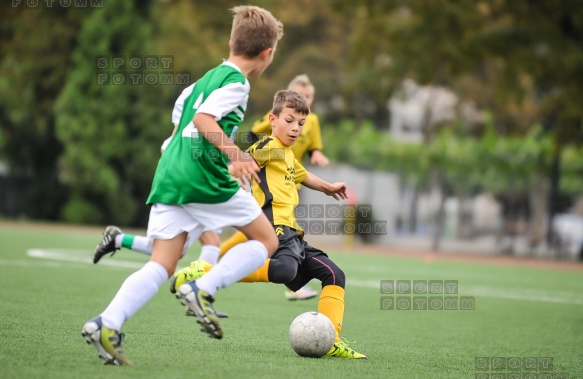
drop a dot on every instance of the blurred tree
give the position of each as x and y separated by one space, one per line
522 60
111 132
35 51
314 43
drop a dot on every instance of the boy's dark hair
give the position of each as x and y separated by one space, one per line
289 99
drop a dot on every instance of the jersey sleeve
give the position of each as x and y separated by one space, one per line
179 104
260 154
316 135
301 172
224 100
262 126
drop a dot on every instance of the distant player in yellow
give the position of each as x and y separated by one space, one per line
309 142
295 262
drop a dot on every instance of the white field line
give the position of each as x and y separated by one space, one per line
562 297
543 296
73 256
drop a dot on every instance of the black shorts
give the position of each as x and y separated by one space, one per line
291 243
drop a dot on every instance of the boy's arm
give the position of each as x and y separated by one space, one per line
318 158
315 148
260 128
336 190
242 163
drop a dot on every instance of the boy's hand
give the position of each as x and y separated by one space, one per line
336 190
318 158
243 182
244 166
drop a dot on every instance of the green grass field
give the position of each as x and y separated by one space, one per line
49 288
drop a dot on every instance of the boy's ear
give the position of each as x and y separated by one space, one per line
272 118
230 44
265 54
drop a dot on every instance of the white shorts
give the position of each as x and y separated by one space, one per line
169 220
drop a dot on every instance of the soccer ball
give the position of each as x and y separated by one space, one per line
312 334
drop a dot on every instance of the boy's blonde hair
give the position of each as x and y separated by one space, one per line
300 80
254 30
289 99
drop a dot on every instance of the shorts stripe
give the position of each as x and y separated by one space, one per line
329 268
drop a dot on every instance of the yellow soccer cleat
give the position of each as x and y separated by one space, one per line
195 270
106 341
342 350
201 305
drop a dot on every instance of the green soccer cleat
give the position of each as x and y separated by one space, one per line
107 244
106 341
201 303
187 274
342 350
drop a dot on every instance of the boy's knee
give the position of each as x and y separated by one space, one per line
280 272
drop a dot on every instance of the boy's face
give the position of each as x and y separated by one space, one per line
305 91
288 126
264 60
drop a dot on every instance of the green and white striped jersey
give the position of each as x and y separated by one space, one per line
192 169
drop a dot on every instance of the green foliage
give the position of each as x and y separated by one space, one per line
110 133
35 51
520 61
490 162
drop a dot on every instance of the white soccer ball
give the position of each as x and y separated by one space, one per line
312 334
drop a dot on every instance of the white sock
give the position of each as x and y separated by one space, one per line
210 254
133 294
118 240
236 264
141 244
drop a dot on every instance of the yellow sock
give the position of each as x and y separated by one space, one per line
235 239
207 266
260 275
331 304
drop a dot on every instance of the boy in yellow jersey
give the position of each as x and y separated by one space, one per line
295 262
309 142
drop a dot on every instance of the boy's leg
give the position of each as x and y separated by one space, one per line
242 212
210 246
234 240
168 225
317 265
244 258
114 239
134 293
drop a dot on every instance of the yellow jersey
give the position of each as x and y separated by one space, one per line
280 172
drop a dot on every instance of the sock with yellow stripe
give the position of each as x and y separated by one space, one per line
258 276
331 304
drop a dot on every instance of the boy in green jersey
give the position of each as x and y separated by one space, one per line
193 190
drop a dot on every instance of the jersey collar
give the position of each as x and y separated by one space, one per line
231 64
